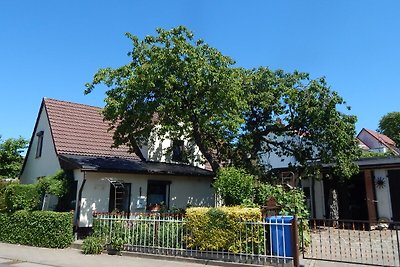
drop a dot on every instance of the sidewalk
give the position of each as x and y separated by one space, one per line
25 256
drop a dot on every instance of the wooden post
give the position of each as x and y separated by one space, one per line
370 197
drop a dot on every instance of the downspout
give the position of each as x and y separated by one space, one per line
78 208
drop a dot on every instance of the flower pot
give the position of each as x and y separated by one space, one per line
113 251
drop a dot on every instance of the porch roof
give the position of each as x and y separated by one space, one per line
379 162
124 165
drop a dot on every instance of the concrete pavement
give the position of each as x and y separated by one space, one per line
26 256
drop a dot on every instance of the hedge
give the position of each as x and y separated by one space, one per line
21 197
222 228
2 195
38 228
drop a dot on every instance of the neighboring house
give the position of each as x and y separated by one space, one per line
369 195
74 137
376 142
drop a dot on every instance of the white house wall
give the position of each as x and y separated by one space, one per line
317 195
155 151
384 204
371 141
47 163
319 199
183 191
271 160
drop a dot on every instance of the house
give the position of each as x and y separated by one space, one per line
73 137
369 195
376 142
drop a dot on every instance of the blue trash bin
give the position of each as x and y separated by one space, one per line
281 235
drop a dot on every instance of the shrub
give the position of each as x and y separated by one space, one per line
37 228
21 197
56 184
2 196
224 229
92 245
234 185
291 202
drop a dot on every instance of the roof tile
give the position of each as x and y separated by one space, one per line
82 130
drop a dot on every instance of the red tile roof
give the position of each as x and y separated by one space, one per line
381 137
80 130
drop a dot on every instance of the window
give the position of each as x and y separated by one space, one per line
120 196
177 150
39 144
158 193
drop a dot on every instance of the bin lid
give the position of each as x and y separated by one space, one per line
280 218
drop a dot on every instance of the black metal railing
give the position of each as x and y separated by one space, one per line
362 242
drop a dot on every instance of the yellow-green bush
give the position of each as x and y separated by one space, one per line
225 228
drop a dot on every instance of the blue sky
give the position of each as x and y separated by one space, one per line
52 48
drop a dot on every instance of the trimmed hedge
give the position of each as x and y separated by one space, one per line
2 196
37 228
221 229
21 197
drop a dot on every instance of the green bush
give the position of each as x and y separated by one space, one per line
290 202
92 245
56 184
37 228
234 185
225 228
21 197
2 196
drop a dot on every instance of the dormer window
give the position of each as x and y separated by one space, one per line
177 150
39 144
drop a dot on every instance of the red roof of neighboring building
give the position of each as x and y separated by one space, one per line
79 129
381 137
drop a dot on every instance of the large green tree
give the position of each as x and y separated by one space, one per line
291 115
191 86
389 125
10 156
230 113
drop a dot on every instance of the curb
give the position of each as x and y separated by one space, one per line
78 246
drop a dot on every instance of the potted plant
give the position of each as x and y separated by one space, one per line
115 246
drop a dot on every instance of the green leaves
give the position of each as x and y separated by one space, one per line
389 125
37 228
56 184
232 115
10 156
191 86
21 197
291 115
234 185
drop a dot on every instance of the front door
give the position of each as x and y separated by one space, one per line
120 197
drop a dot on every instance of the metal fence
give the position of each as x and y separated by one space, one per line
260 242
359 242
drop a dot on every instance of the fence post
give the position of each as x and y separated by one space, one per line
295 242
